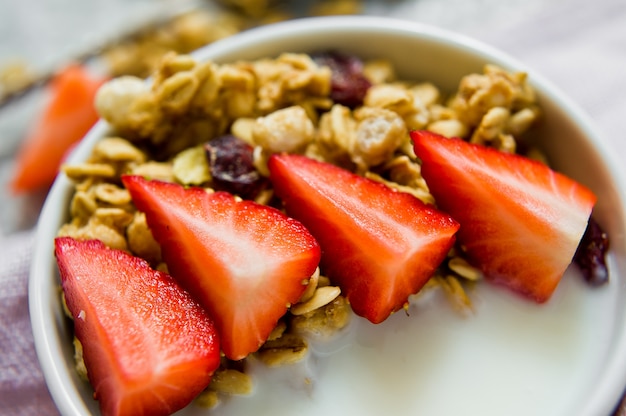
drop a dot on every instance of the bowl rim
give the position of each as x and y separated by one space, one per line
601 400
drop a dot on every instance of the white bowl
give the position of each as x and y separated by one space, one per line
564 358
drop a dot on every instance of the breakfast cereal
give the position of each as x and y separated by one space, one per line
273 105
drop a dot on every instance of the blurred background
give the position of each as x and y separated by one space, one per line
39 38
580 45
570 41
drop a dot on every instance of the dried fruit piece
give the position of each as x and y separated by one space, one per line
148 347
591 254
232 168
348 82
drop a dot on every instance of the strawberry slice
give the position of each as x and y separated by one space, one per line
245 262
67 117
148 347
521 222
378 245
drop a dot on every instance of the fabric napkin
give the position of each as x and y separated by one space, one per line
22 390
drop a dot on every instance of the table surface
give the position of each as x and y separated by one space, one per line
580 45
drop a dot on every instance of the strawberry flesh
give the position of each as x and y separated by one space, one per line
148 347
378 245
244 262
66 118
521 222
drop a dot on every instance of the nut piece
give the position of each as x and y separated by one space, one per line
116 149
117 218
140 239
94 229
394 97
336 133
242 128
79 362
448 128
323 321
155 170
83 204
278 331
379 133
379 71
288 349
521 121
111 194
80 171
461 267
287 130
208 399
427 93
322 296
455 293
311 286
190 167
116 98
418 192
229 381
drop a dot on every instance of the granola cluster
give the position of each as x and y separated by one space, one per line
284 104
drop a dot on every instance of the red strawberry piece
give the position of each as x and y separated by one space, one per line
245 262
66 118
378 245
521 222
148 347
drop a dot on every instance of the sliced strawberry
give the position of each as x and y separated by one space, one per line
149 348
68 116
520 221
378 245
244 262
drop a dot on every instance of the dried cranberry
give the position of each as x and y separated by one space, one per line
231 166
348 83
591 254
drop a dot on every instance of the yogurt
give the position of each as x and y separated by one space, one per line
510 356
